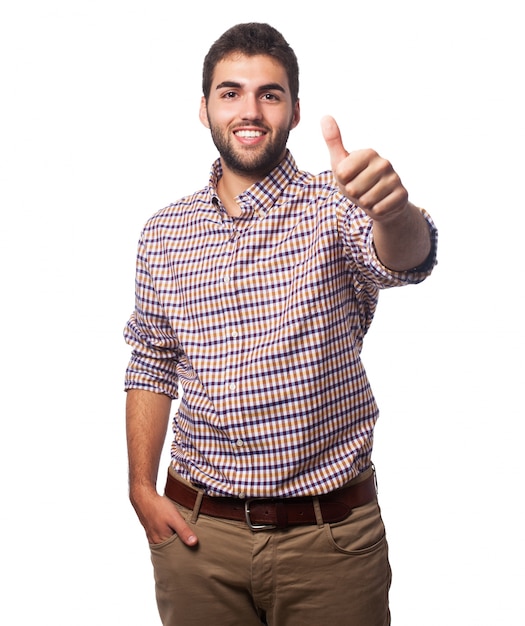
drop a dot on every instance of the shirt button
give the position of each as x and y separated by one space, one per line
242 495
232 386
235 334
226 279
239 443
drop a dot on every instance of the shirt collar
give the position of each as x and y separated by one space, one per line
263 195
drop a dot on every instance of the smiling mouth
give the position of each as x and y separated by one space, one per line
249 134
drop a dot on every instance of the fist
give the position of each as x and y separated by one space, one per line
364 177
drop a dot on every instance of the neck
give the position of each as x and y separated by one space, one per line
230 185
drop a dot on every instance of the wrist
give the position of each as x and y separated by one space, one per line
142 491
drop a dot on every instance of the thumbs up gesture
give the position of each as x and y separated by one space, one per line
364 177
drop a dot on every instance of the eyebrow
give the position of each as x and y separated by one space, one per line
233 85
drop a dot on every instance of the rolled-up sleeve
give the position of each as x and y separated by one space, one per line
155 349
357 234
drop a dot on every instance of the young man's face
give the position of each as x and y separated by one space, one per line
250 113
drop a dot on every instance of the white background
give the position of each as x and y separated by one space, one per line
99 129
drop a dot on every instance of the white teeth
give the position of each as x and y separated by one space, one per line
248 133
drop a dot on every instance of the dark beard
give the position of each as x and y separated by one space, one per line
258 163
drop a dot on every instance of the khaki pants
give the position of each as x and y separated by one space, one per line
314 575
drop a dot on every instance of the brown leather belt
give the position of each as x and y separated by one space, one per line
268 513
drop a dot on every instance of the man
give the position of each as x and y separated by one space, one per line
254 295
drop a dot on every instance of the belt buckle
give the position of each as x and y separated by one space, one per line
251 525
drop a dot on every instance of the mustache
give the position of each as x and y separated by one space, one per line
257 125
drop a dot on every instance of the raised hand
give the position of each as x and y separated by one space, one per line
364 177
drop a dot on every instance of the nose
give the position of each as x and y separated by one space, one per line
251 107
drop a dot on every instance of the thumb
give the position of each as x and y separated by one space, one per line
332 137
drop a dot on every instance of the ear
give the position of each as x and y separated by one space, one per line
296 115
203 113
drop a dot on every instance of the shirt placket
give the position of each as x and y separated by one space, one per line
231 405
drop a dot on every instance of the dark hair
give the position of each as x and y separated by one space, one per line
252 39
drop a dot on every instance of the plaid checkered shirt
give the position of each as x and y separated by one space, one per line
260 320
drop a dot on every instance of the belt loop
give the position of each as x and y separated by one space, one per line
197 506
376 484
318 513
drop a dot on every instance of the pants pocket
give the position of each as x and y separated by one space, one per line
361 532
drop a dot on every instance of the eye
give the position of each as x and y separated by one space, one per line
270 97
228 95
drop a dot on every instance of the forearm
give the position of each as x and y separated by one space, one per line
147 416
403 242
